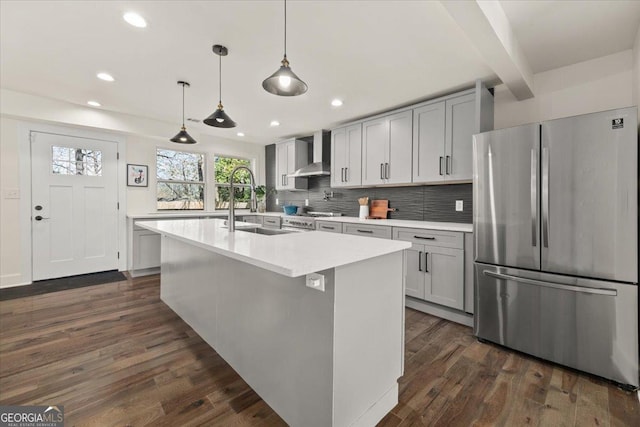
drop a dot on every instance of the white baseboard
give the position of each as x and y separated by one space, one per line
11 280
144 272
440 311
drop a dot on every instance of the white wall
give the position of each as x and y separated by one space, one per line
586 87
142 150
141 136
636 73
10 218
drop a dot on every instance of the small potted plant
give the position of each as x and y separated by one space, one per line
261 194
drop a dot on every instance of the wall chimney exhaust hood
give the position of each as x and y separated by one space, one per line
321 157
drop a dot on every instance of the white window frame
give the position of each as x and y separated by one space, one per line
205 203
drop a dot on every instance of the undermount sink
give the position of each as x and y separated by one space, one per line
265 231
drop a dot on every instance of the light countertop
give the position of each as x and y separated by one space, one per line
293 255
427 225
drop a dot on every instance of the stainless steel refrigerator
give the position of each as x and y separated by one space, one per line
555 215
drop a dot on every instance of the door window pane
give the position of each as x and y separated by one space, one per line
76 161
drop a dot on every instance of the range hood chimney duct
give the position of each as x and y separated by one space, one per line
321 157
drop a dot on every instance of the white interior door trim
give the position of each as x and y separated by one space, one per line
24 130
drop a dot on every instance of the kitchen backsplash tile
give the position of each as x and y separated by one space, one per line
421 203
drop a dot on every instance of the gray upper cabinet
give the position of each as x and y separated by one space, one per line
443 136
387 149
290 156
346 161
428 142
460 128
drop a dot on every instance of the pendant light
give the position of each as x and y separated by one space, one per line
183 137
284 82
219 118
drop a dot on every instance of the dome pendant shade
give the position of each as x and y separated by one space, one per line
284 82
183 137
219 119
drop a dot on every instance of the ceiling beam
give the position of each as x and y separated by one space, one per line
488 29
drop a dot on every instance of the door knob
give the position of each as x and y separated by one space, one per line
38 208
40 218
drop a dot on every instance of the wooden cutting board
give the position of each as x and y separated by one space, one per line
379 209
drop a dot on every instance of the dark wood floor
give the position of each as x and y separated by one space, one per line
115 355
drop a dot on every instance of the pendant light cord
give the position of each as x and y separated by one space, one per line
183 105
285 28
220 81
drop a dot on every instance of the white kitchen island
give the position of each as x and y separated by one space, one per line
328 357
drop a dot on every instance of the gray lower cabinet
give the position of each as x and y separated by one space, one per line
328 226
271 221
253 219
434 266
380 231
146 249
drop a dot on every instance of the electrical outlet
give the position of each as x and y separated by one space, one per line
315 281
306 202
277 202
459 204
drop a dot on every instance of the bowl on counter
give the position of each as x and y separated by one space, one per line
290 210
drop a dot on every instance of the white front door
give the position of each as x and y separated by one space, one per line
74 205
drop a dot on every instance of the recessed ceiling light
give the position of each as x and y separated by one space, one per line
106 77
275 123
336 102
134 19
94 103
240 134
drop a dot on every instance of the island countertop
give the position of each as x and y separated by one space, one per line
292 255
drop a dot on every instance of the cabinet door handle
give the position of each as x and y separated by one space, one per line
365 231
386 170
420 261
327 227
346 176
447 163
426 262
440 165
381 170
341 174
424 238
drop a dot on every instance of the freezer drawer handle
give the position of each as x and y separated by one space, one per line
424 238
561 286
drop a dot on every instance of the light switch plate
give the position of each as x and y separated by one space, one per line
277 202
459 205
315 281
11 193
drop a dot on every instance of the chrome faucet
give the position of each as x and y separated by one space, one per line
231 223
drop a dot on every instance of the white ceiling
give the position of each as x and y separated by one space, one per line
375 55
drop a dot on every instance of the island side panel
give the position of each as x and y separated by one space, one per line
368 339
272 329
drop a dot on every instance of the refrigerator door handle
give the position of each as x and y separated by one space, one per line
561 286
534 196
545 197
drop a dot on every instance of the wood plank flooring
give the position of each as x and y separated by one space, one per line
115 355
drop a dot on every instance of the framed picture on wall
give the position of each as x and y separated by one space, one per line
137 175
